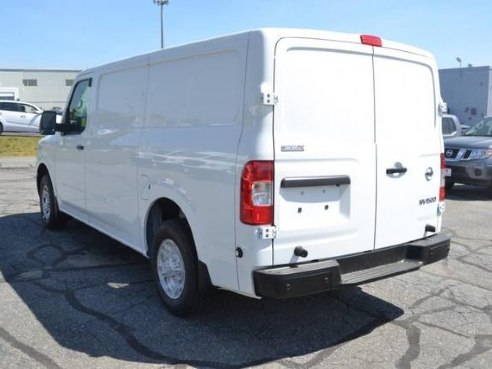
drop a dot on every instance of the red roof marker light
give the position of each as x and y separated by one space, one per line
371 40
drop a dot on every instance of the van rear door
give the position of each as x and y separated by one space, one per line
408 146
325 153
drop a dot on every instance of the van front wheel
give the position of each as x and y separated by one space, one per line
174 268
51 216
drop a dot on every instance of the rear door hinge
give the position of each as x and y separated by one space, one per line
442 108
267 232
269 98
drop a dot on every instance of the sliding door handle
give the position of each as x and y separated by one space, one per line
80 147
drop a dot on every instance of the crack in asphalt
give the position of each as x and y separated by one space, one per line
461 280
121 329
321 356
482 344
413 333
481 267
37 356
52 241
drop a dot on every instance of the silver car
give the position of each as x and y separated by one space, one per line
470 156
18 116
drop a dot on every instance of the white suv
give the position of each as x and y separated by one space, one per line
18 116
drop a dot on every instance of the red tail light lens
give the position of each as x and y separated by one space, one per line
257 193
371 40
442 189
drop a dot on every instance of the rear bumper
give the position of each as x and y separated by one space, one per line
309 278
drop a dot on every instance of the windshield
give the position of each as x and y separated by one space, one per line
482 128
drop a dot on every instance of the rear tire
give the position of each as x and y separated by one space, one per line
51 216
174 266
1 128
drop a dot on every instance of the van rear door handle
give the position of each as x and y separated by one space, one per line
314 181
80 147
396 170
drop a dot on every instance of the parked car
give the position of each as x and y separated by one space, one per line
451 126
18 116
241 163
469 157
58 110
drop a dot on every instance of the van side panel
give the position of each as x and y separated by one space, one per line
189 142
111 154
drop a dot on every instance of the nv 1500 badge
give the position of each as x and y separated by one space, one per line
429 200
287 148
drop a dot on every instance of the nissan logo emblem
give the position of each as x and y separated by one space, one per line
429 173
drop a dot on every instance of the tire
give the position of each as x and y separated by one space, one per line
449 185
489 190
51 216
173 253
1 128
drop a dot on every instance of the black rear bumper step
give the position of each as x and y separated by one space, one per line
309 278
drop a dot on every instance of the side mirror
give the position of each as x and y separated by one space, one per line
47 126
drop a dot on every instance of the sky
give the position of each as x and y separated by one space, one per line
79 34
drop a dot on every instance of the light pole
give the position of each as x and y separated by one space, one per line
161 3
458 59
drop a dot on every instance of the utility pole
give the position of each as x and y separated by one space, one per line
161 3
458 59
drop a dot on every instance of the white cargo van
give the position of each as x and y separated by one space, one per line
273 163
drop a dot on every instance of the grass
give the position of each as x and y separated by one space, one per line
18 146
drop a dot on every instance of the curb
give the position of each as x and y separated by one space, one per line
17 163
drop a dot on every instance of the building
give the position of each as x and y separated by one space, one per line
45 88
468 92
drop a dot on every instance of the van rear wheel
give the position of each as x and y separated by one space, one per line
51 216
175 270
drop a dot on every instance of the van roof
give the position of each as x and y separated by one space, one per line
271 35
337 36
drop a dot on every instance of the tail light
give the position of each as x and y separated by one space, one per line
442 189
371 40
257 193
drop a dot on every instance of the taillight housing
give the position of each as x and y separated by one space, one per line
257 193
442 189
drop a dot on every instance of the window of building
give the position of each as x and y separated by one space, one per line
30 82
69 82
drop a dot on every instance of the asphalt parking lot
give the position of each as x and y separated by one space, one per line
77 299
